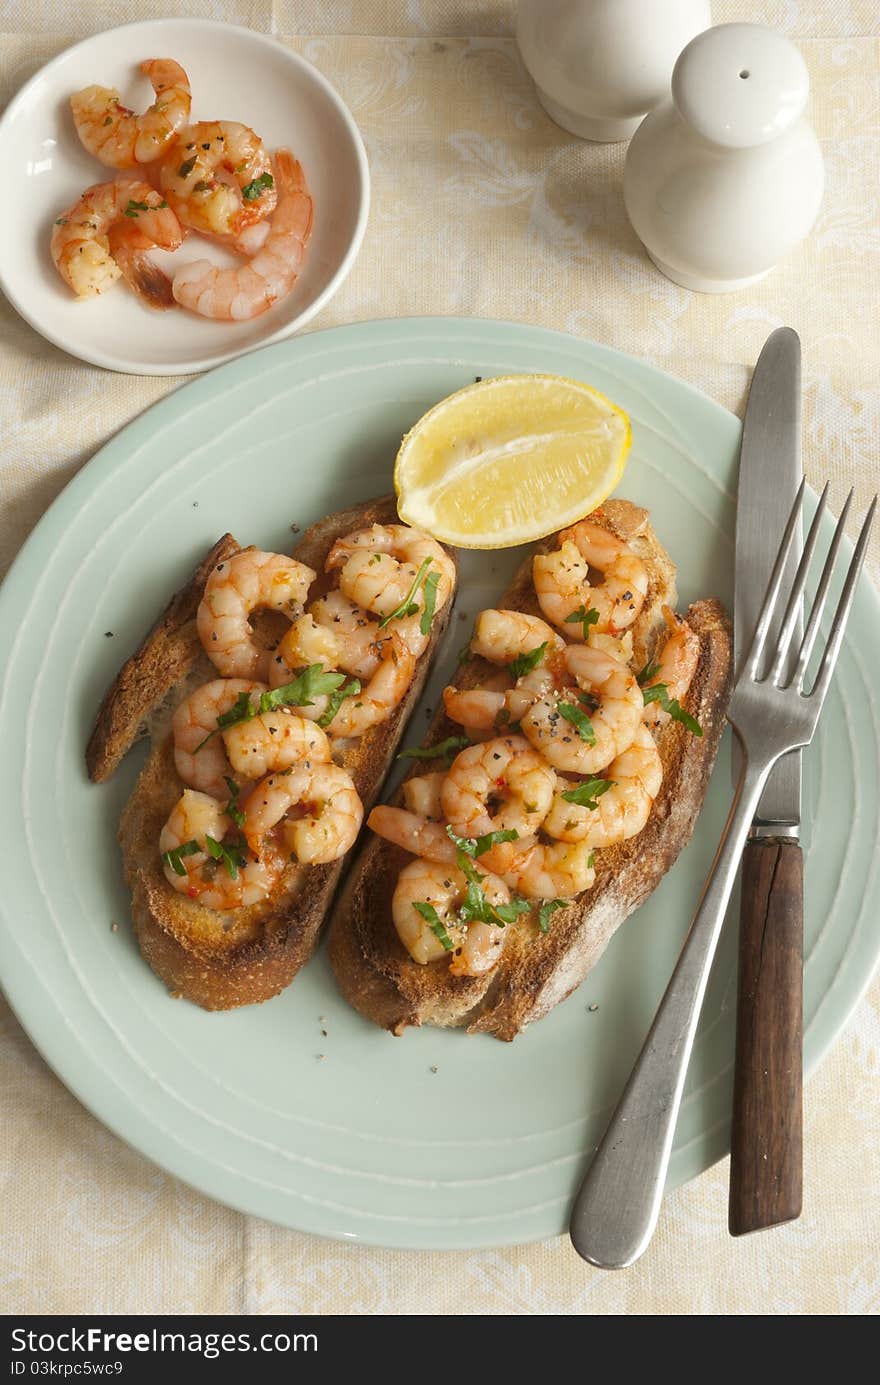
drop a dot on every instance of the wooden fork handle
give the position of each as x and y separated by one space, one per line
767 1132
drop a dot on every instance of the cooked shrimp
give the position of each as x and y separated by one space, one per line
421 794
218 178
250 289
195 818
379 567
583 737
334 632
80 244
330 810
622 811
550 871
476 709
130 247
499 785
502 636
199 752
247 582
412 831
476 947
562 579
272 742
118 137
377 700
676 665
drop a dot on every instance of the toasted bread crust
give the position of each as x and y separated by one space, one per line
220 962
536 971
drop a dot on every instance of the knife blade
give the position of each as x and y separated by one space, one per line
769 475
766 1130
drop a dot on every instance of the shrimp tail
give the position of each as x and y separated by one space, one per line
151 284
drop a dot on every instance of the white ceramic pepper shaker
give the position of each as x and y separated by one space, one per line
600 65
725 177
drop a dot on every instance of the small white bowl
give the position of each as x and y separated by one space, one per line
235 74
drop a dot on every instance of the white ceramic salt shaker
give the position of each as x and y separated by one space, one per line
725 177
600 65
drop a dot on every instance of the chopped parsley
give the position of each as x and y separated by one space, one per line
441 751
256 189
648 673
579 720
336 699
232 809
548 907
524 663
430 602
62 221
409 605
475 847
583 617
232 856
174 857
430 915
658 692
476 907
134 208
586 794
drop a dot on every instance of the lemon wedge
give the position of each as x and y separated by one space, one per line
509 460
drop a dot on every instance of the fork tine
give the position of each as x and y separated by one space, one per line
812 630
793 609
760 637
841 615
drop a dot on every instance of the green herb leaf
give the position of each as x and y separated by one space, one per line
232 809
508 913
586 794
579 720
408 605
583 616
658 692
524 663
232 856
548 907
336 699
430 915
134 208
257 187
443 750
648 673
62 221
187 167
432 581
476 847
173 857
301 691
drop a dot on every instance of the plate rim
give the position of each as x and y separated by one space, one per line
193 365
61 1060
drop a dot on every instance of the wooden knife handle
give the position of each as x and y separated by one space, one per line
766 1177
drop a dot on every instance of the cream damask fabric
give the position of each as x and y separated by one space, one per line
528 224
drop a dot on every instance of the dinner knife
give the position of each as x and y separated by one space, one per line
767 1127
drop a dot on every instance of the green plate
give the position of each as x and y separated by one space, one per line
437 1138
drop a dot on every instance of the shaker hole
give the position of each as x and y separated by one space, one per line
745 73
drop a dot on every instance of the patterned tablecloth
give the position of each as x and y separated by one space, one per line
481 207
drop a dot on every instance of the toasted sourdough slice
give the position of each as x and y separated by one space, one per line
536 971
223 961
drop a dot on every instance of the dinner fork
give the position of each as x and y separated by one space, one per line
771 711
